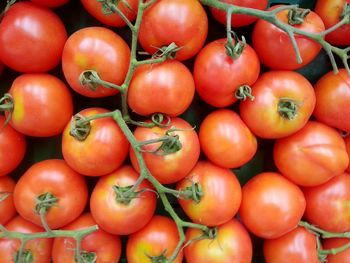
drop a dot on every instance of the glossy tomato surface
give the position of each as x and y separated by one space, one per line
7 206
334 243
50 3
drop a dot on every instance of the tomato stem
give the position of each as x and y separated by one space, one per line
91 79
323 233
244 92
296 16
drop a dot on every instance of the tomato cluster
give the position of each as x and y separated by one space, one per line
270 148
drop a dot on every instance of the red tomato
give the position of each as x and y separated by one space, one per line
1 68
118 216
218 76
161 25
42 105
219 186
172 167
284 101
347 143
12 148
50 3
58 179
7 207
327 205
158 238
330 11
275 48
271 205
231 244
222 133
95 9
31 38
333 100
106 247
158 87
239 20
334 243
311 156
99 49
105 138
297 246
39 249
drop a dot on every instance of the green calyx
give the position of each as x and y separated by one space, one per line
193 192
44 202
123 195
346 12
235 48
244 92
159 259
288 108
25 257
167 52
296 16
89 79
87 257
79 127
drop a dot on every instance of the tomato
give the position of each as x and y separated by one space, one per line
333 100
312 156
39 249
1 68
99 49
331 11
118 216
105 138
51 3
158 238
56 178
275 48
161 25
347 143
232 243
239 20
172 167
271 205
297 246
12 148
7 207
284 101
221 133
221 194
334 243
158 87
31 38
95 9
218 76
106 247
327 204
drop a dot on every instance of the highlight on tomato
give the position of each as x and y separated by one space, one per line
7 206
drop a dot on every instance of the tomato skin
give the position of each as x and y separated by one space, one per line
107 247
297 246
271 205
221 133
105 137
218 76
159 236
262 115
118 218
7 206
347 144
330 243
161 25
50 3
274 47
56 177
219 186
311 156
99 49
232 244
31 38
157 88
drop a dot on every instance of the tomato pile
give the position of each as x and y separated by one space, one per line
170 137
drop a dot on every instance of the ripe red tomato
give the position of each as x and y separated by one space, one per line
161 25
58 179
331 243
118 216
158 238
42 105
12 148
51 3
275 48
106 247
222 133
297 246
158 87
39 249
218 76
231 244
105 138
239 20
31 38
311 156
99 49
7 206
333 100
172 167
219 186
95 9
347 143
271 205
284 101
